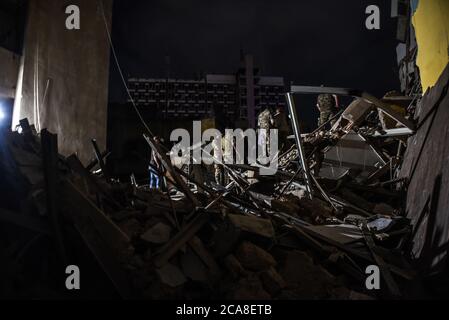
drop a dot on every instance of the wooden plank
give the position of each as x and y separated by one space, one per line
105 240
77 206
105 257
180 239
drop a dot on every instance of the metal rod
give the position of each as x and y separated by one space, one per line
297 132
99 157
324 193
289 183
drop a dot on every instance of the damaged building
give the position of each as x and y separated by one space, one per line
365 190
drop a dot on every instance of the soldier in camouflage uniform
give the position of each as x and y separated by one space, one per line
327 106
218 166
227 150
265 121
281 123
218 174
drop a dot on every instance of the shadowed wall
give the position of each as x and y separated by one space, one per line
65 74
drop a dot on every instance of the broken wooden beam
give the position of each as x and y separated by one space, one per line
77 205
106 241
180 239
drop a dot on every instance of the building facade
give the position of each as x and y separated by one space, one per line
235 96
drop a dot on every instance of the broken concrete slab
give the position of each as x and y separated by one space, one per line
171 275
235 267
306 279
158 234
272 281
193 267
254 258
250 288
131 227
259 226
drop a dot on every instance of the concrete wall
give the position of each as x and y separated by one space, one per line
426 167
9 69
65 74
426 159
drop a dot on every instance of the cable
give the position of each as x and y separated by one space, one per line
120 71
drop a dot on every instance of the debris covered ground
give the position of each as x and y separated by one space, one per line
309 232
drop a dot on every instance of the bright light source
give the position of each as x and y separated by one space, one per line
2 113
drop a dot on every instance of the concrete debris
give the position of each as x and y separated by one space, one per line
250 288
317 283
171 275
158 234
257 238
234 266
131 227
254 258
272 281
262 227
193 267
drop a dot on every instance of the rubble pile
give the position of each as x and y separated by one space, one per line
148 244
309 232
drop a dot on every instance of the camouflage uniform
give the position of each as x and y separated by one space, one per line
218 167
281 123
265 121
326 106
218 173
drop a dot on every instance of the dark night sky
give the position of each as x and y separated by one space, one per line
308 42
